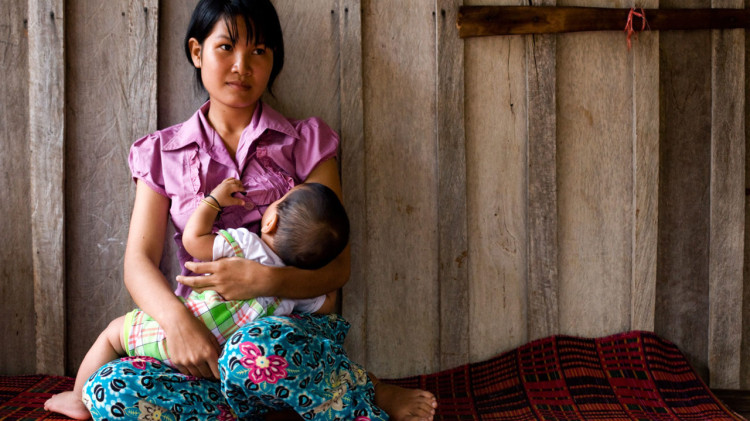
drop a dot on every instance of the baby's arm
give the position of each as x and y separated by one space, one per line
198 237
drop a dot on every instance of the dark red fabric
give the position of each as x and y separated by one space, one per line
630 376
23 397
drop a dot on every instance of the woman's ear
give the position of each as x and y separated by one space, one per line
195 52
269 227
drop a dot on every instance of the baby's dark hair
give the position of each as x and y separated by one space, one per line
312 228
261 20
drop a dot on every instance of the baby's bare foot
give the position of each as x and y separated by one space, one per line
405 404
68 403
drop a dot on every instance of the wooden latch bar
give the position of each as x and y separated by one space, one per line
477 21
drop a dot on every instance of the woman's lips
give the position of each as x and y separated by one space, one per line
239 85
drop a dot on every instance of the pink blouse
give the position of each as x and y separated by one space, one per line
186 161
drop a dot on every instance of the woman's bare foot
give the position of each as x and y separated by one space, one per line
405 404
68 403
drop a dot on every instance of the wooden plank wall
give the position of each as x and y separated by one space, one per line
109 105
682 294
17 283
46 135
501 189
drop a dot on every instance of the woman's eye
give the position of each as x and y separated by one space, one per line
225 47
259 51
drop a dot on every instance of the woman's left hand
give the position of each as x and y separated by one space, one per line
234 278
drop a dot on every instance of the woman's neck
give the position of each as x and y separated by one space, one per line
230 122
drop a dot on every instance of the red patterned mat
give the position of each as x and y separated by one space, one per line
22 397
631 376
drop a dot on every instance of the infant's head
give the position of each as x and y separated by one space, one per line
308 227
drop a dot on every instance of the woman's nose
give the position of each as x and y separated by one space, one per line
242 64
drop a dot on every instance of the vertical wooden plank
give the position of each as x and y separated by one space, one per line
16 269
684 173
354 174
727 197
496 125
121 40
178 95
309 84
645 70
47 118
595 180
745 345
399 90
543 287
453 249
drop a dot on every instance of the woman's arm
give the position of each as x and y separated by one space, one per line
192 347
236 278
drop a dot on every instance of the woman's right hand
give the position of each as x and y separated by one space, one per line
192 348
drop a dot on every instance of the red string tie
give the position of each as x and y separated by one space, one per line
629 25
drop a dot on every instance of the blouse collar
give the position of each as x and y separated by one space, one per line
198 130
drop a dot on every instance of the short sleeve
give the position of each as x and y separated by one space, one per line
309 305
146 162
252 247
305 305
318 143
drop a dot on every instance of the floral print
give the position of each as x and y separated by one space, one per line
226 413
274 363
139 363
261 368
151 412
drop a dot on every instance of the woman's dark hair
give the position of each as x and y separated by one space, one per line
261 21
313 227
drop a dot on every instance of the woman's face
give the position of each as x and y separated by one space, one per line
234 75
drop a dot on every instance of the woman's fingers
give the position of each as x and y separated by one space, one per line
201 267
203 280
234 278
197 283
214 369
203 370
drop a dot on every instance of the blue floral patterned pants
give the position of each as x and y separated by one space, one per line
273 363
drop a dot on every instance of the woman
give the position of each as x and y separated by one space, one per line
277 363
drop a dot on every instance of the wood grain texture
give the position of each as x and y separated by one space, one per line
543 284
684 174
47 124
645 68
354 175
453 248
16 268
745 344
121 37
178 96
496 133
309 84
727 198
595 186
399 90
520 20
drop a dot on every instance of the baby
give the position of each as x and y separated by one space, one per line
307 228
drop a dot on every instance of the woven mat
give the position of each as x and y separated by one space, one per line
23 397
631 376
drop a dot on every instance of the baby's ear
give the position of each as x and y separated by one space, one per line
270 226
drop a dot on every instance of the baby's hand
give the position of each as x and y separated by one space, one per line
223 193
